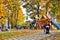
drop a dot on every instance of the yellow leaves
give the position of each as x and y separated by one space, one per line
2 10
27 0
58 17
8 0
20 16
1 6
3 13
50 5
1 1
58 38
43 12
20 12
16 33
12 5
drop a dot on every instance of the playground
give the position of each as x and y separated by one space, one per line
45 20
29 19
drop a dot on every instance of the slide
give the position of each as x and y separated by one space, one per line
56 25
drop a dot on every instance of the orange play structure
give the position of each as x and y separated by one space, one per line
44 20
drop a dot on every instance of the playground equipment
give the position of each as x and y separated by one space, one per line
55 23
45 20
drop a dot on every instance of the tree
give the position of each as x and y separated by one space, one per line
55 12
20 18
12 7
37 7
3 12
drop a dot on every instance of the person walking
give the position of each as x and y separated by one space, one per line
47 28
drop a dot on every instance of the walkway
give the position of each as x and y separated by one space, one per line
38 36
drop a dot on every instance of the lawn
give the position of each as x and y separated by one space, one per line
15 33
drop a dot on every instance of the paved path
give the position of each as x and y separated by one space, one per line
38 36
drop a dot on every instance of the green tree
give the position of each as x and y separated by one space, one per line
55 12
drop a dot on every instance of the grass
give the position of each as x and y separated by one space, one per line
15 33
